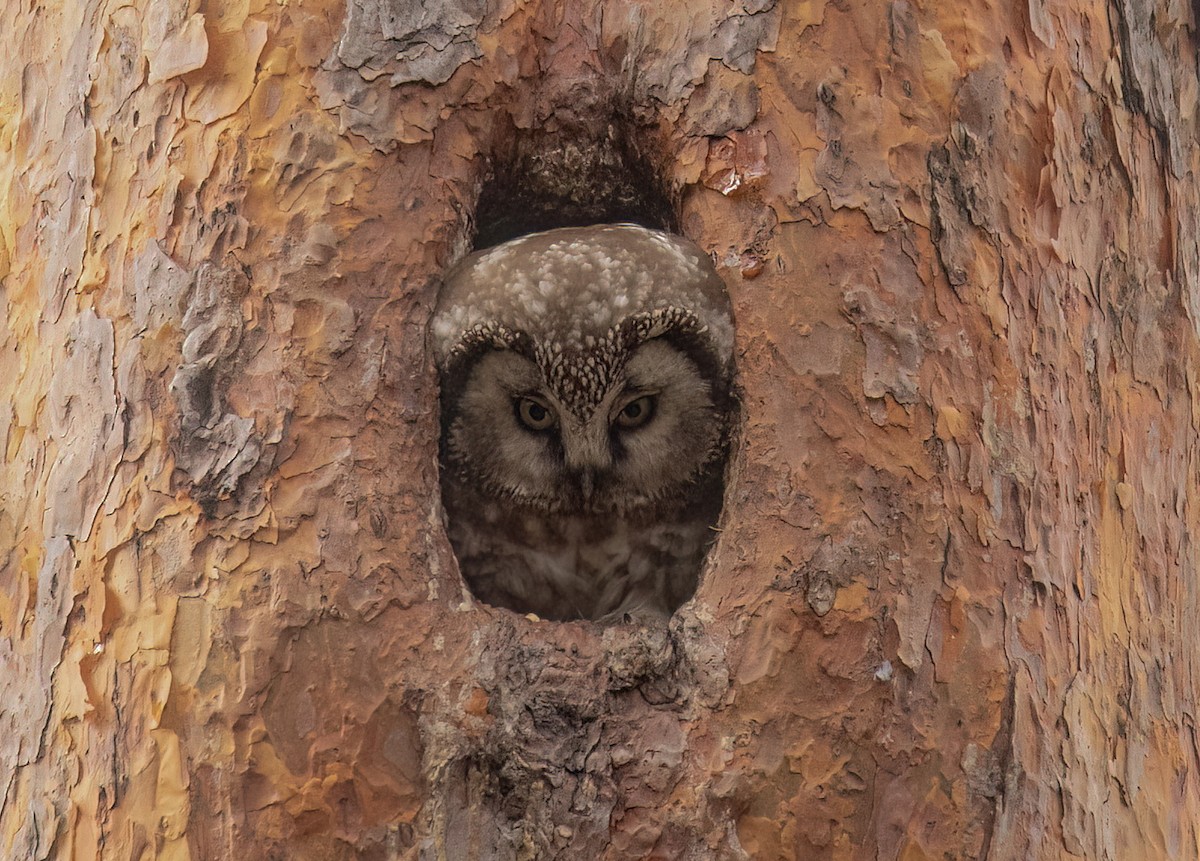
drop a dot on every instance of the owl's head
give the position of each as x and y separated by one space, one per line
585 370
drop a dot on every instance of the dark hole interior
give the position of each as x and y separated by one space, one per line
543 180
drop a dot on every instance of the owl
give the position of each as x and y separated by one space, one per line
586 400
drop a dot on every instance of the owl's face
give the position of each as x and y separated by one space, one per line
584 370
646 437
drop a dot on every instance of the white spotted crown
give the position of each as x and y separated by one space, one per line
576 300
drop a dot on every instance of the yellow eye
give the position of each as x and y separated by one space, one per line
534 414
637 412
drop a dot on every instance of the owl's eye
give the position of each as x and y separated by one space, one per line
637 412
534 414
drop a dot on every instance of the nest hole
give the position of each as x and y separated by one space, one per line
538 181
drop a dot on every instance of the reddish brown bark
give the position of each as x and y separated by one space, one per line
951 610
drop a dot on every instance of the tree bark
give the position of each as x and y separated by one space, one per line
951 612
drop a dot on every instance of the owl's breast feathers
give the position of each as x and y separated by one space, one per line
562 567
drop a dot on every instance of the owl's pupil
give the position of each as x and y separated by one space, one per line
634 410
537 412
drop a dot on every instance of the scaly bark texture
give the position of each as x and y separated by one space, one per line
952 609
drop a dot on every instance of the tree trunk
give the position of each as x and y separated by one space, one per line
952 609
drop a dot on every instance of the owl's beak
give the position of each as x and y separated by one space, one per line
588 456
586 478
587 484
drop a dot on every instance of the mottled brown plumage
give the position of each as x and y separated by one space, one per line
585 411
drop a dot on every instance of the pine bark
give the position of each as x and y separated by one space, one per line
951 612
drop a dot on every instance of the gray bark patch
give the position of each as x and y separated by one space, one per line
215 447
411 41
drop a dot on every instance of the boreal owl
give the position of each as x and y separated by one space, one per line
586 405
